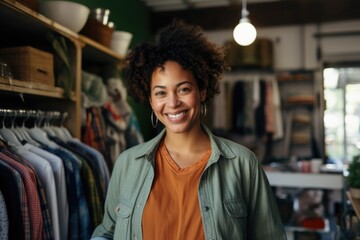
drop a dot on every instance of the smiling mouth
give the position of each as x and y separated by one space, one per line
176 116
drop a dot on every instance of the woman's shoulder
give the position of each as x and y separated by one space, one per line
133 159
228 145
140 150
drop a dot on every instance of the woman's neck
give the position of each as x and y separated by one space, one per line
191 142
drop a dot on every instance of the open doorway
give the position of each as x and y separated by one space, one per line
342 112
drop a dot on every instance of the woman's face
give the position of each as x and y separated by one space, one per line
175 97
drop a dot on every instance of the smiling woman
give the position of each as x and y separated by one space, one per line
195 184
175 98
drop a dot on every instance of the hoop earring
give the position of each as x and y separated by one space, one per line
203 109
154 124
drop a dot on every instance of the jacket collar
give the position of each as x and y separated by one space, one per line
218 147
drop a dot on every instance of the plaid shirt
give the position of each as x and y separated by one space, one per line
4 221
94 135
15 196
33 200
47 230
92 194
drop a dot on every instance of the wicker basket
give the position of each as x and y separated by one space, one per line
98 32
30 64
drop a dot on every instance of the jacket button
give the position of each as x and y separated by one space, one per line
206 208
117 209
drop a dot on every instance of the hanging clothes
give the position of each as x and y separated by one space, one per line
4 220
33 201
79 218
122 128
94 187
60 186
13 189
53 185
46 176
95 159
94 135
47 228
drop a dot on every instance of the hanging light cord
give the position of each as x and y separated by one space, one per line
244 11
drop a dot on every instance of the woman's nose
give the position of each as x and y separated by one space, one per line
173 100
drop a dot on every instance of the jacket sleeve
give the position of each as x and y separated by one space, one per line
106 229
264 217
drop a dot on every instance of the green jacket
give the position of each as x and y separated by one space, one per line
235 197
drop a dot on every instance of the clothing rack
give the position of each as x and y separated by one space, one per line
54 172
37 114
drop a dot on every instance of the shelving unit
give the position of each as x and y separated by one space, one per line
307 181
298 104
25 27
32 88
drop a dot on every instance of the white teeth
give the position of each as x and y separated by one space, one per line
176 116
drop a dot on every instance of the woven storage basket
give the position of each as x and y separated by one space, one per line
30 64
97 31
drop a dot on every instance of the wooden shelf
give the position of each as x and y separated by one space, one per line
306 180
32 88
26 27
294 76
96 52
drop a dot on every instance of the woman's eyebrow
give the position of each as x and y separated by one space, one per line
177 85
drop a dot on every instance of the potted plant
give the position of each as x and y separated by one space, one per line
353 178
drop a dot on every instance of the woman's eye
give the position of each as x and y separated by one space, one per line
181 90
160 93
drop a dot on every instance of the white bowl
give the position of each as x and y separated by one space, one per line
120 41
70 14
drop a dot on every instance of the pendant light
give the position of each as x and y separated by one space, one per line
244 33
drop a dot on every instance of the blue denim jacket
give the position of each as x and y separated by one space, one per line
235 197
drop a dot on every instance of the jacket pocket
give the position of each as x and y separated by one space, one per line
123 214
235 208
235 218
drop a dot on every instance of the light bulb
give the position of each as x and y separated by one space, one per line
244 33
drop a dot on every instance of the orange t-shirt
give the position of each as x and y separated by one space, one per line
172 210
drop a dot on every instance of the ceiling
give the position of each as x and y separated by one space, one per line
225 14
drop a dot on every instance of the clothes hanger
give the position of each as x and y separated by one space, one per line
58 131
24 130
39 134
47 125
8 135
62 131
13 128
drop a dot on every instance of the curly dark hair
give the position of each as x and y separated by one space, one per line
184 44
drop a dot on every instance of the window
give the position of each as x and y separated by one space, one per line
342 112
